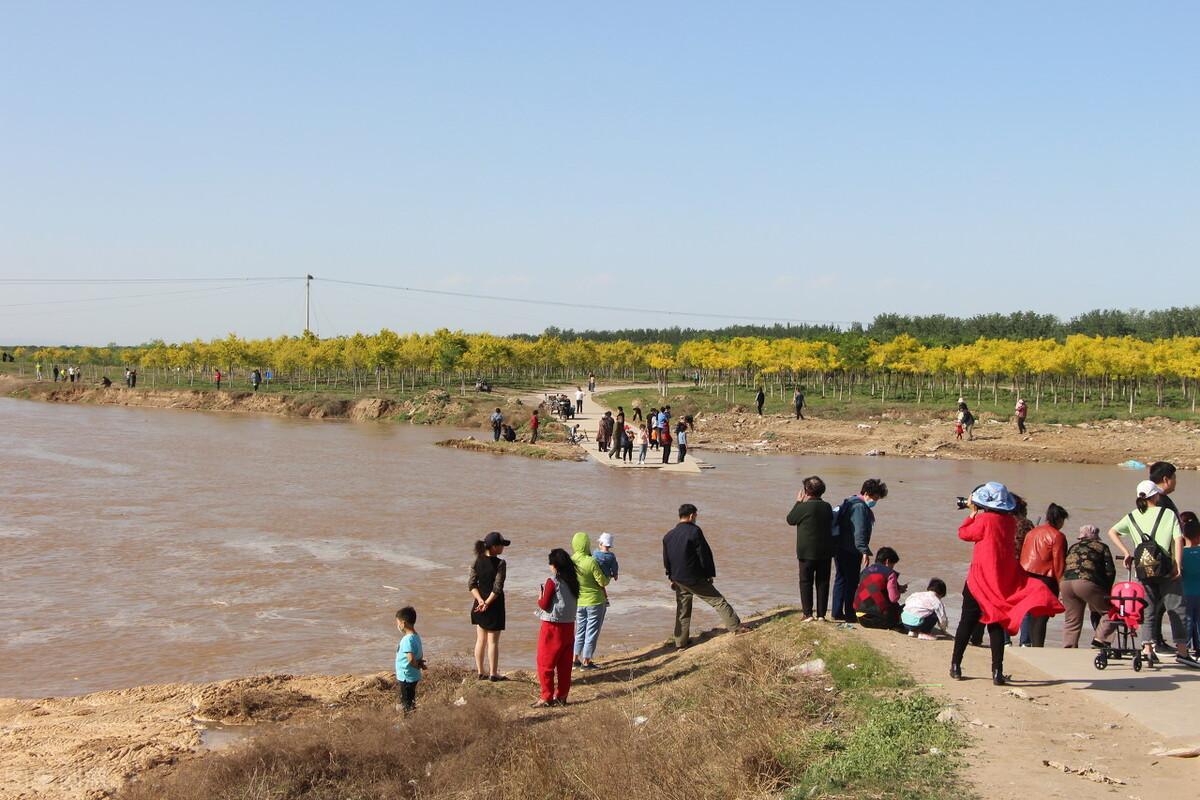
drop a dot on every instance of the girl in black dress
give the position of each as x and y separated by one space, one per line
487 612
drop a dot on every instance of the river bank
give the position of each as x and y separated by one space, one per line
790 709
911 433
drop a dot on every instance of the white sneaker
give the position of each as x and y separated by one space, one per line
927 637
913 634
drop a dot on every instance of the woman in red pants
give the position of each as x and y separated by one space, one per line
556 639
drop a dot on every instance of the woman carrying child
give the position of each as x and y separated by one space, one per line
560 594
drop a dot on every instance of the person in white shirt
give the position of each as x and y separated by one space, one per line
923 611
578 399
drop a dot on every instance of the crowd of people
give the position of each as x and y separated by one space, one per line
1020 575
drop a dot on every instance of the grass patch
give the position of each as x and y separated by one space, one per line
736 721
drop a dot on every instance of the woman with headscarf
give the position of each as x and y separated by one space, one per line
997 591
1086 582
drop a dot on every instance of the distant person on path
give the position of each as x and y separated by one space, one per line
813 518
255 379
497 420
217 378
1087 580
877 601
798 402
1044 556
105 382
128 380
643 442
852 545
688 562
578 399
410 658
681 440
617 446
627 444
269 376
997 591
654 428
637 411
1157 554
486 583
1022 411
592 382
38 368
558 603
664 441
965 419
56 373
1190 567
133 379
589 616
759 399
604 432
534 423
924 611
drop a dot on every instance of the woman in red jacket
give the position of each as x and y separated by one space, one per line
998 592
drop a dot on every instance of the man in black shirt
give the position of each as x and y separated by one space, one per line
688 562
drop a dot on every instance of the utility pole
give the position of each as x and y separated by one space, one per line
307 300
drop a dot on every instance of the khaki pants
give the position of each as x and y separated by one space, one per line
1078 596
683 608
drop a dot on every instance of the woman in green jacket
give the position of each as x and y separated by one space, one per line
813 518
589 613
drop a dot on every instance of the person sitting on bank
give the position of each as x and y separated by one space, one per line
508 434
877 602
924 611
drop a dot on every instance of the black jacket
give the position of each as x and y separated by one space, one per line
686 555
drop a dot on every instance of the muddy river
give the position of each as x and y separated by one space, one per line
149 546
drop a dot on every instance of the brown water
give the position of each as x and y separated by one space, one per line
147 546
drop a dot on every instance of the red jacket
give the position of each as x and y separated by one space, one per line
1044 552
1004 591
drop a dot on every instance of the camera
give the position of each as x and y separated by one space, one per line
960 503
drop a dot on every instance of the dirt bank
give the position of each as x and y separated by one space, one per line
551 451
430 407
1110 442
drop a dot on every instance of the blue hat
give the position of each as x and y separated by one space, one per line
994 496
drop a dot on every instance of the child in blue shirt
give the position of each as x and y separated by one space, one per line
410 658
606 559
1189 568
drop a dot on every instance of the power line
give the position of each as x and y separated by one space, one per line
106 281
76 300
588 306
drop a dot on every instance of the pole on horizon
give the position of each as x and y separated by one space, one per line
307 300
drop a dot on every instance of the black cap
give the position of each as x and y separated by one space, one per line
494 538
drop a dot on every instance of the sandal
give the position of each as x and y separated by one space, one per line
542 704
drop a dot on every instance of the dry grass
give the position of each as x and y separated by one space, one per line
737 724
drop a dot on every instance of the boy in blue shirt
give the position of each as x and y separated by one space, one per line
1189 568
606 560
410 658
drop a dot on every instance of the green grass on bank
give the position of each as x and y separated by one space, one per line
689 400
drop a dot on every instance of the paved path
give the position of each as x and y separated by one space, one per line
1165 699
589 422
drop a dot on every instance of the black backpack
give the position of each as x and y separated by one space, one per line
1149 559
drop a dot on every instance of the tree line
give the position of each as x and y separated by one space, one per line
1108 370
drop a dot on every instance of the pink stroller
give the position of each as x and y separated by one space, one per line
1126 603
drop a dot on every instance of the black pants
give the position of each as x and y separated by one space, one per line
533 435
1037 625
798 414
814 578
578 406
666 451
760 405
927 625
408 695
637 414
495 433
682 452
1020 424
971 612
628 449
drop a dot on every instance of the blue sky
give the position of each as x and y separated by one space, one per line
824 161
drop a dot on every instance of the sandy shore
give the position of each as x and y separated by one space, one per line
1109 442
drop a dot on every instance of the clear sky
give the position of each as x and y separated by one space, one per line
804 160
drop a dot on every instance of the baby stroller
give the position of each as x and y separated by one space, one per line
1126 603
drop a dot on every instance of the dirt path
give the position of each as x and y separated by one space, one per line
1015 729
